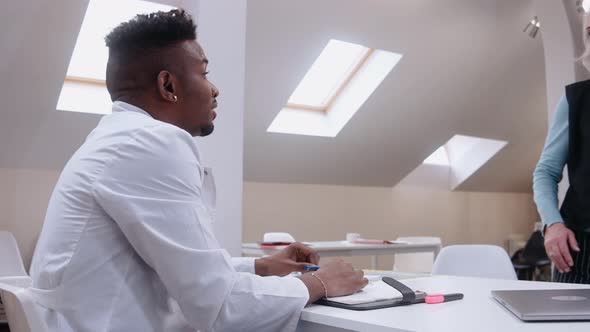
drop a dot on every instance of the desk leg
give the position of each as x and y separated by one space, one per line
374 262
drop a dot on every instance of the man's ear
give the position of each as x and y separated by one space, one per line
167 86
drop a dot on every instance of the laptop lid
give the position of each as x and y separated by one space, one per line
546 305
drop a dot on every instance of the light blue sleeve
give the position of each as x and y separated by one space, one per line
549 170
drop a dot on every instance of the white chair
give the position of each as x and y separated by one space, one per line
484 261
420 262
11 262
273 237
22 311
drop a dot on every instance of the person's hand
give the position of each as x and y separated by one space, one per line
557 239
291 259
338 278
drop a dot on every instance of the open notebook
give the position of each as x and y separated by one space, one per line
375 291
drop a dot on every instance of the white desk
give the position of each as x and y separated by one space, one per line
478 311
345 248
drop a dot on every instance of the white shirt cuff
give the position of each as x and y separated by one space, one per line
299 288
244 264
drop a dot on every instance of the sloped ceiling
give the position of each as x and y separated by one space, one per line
37 40
467 69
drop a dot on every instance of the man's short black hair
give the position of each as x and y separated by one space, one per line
137 49
150 31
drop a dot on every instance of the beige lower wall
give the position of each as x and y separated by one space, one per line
321 212
24 195
314 212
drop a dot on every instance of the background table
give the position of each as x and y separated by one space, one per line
345 248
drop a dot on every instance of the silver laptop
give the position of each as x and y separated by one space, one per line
546 305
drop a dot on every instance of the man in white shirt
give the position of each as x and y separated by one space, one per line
127 243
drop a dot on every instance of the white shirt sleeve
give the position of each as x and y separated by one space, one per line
152 189
244 264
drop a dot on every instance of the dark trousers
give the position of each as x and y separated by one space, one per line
580 272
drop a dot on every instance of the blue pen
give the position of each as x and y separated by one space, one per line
311 268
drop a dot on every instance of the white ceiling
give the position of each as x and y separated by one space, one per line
467 69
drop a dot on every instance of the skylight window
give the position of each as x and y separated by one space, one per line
467 154
328 74
438 157
84 89
460 157
338 83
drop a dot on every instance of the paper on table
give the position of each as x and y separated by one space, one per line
376 290
375 241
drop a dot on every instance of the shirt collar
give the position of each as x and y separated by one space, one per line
121 106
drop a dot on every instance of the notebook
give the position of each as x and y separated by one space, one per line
376 290
376 295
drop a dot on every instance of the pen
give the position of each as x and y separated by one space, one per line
311 268
440 298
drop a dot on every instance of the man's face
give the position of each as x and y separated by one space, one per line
197 96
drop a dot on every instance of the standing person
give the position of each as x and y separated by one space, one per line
127 243
567 231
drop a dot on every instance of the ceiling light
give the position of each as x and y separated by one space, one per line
534 26
582 6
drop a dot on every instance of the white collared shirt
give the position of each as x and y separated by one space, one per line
127 243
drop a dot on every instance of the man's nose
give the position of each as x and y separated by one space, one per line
214 90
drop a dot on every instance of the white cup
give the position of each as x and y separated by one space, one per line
350 237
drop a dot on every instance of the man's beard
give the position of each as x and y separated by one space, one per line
207 130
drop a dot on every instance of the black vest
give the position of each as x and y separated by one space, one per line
576 206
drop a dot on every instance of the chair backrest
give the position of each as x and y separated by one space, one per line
11 262
420 262
485 261
21 310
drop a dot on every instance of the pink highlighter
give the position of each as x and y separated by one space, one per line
440 298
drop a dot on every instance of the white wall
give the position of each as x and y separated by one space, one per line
222 33
558 44
323 212
24 195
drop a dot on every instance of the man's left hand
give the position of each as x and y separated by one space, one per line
291 259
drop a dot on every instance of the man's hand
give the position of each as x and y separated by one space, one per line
338 278
291 259
557 238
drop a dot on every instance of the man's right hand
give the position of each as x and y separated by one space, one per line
558 240
339 278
